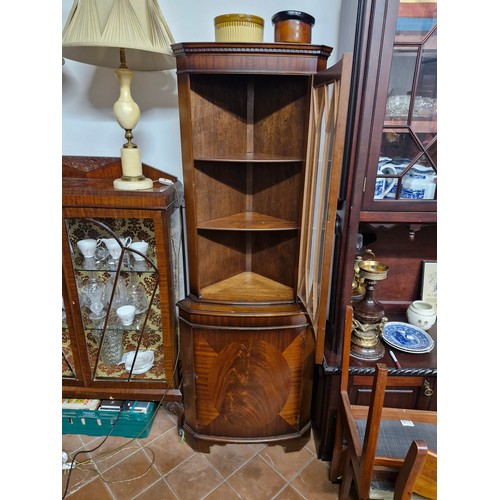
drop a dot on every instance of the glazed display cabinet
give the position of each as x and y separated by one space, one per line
122 276
388 199
248 339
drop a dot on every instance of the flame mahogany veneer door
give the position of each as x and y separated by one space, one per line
247 375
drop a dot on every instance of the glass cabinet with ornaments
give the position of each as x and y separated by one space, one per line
402 159
386 227
122 269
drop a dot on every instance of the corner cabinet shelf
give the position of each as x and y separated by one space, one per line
246 339
97 346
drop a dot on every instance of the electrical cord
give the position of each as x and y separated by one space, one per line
87 451
94 460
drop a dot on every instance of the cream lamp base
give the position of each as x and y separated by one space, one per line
132 178
132 184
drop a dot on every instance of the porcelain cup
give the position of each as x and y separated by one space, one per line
126 241
87 247
422 314
113 247
399 169
382 185
140 246
126 314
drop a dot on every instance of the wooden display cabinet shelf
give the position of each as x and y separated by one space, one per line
249 221
248 286
250 157
418 125
400 217
411 364
224 255
246 195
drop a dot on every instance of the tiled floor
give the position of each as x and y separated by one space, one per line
162 467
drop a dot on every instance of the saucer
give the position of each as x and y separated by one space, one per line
143 362
407 338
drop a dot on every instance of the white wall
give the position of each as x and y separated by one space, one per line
88 92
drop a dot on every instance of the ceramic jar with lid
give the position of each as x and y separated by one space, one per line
292 26
422 314
239 28
419 183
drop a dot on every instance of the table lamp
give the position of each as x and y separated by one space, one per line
127 35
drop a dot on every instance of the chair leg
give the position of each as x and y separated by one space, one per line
413 464
345 486
336 465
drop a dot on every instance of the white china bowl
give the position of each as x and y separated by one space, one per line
422 314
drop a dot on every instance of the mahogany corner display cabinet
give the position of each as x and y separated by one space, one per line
387 206
258 214
121 280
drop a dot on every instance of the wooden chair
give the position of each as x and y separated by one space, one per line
373 438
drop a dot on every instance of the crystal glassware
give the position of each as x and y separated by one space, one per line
95 293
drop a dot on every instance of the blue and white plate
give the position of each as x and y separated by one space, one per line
407 338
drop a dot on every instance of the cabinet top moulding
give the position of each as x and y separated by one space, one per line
264 58
87 181
101 193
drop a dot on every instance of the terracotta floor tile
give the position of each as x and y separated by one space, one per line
287 464
161 423
258 446
158 491
132 467
256 480
112 451
87 440
169 451
289 494
311 446
79 477
71 443
96 489
313 482
230 472
226 459
194 479
223 492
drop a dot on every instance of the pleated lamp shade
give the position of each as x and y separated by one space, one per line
97 29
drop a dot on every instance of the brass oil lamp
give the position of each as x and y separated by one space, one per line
369 317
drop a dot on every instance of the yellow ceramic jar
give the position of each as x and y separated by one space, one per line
238 28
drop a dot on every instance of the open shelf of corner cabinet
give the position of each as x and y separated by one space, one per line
247 342
244 116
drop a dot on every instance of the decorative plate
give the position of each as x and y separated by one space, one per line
407 338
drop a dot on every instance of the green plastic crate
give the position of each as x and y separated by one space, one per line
100 422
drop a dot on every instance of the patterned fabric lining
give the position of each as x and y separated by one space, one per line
394 438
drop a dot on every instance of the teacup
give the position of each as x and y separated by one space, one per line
113 247
126 241
140 246
126 314
384 185
87 247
